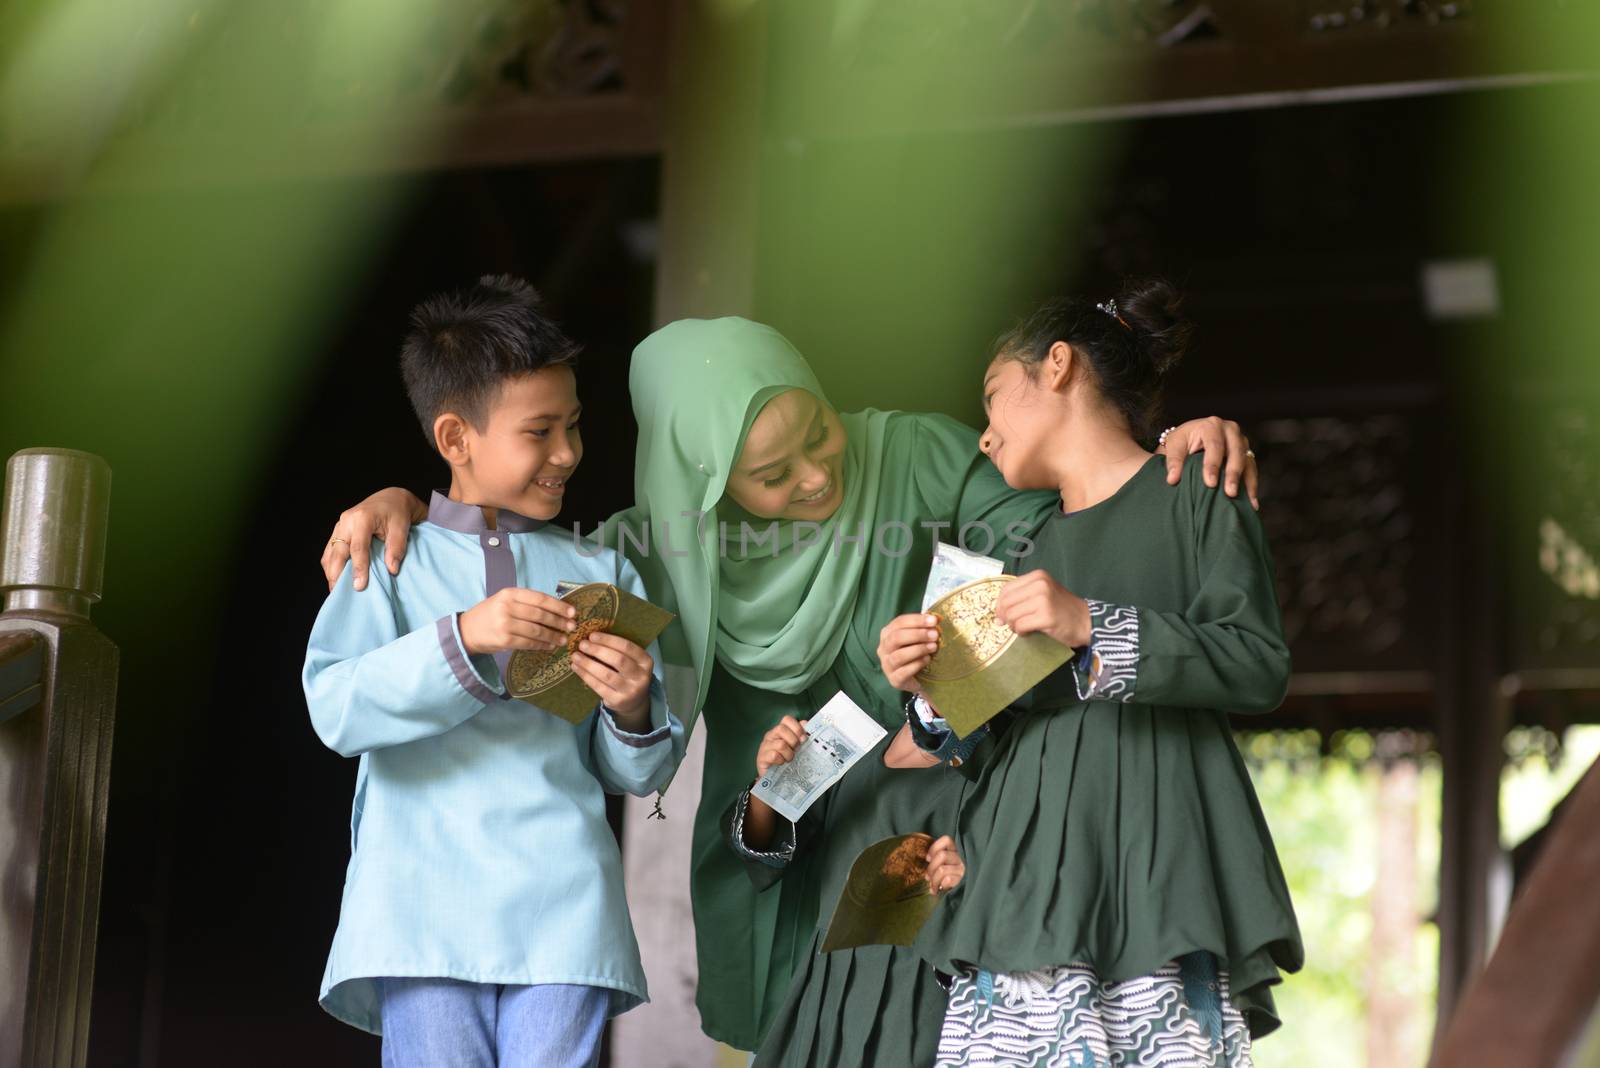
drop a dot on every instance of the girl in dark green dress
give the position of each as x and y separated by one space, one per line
1121 900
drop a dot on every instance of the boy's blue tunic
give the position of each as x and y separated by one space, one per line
479 844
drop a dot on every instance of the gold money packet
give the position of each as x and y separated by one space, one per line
885 900
544 677
982 665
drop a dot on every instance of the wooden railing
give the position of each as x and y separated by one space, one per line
1540 987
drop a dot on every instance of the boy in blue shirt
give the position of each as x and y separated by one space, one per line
483 919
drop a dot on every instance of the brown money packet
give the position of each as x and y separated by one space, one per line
544 677
885 900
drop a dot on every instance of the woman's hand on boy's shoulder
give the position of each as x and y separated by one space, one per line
387 515
1227 450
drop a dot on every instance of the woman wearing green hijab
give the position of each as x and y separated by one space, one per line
734 429
773 636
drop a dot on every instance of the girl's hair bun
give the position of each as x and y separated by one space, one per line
1152 309
1130 344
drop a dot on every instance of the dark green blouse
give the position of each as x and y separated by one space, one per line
1123 831
750 943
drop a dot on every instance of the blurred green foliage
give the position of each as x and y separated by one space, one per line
165 289
1324 820
1541 768
1322 808
904 219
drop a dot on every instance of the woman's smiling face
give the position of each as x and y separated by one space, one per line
791 466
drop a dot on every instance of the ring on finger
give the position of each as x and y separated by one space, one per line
1249 454
337 541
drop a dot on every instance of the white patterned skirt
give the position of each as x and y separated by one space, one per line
1179 1016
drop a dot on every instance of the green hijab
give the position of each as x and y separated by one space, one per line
773 620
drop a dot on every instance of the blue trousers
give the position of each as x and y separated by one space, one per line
447 1023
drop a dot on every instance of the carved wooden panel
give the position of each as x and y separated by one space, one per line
1057 60
300 87
1342 521
1379 16
1556 569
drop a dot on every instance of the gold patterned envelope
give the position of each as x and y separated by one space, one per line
885 900
545 678
982 665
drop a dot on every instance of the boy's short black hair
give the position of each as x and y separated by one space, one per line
462 346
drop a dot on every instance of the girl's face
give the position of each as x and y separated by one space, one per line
791 466
1022 415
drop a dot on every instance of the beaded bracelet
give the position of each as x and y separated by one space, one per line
1161 442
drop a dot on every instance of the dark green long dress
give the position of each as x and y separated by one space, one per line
879 1005
1123 832
751 943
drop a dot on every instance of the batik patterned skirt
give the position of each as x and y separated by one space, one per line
1180 1016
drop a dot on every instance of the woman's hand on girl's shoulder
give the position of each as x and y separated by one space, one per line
905 646
1227 450
780 744
1038 604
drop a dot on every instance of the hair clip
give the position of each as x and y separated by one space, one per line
1110 308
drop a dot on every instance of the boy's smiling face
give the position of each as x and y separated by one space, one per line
527 448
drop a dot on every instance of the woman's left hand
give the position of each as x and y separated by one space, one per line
1227 452
620 672
1038 604
945 869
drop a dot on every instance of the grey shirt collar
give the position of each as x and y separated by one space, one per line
468 518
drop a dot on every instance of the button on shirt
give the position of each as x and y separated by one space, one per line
479 844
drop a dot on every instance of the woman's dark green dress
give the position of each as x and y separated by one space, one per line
751 943
1122 832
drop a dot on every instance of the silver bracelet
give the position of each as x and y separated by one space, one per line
1161 442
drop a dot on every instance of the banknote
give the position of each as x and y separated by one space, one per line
954 566
840 734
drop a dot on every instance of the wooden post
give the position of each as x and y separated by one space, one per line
711 160
1473 716
55 752
710 169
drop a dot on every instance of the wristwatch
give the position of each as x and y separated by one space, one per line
940 742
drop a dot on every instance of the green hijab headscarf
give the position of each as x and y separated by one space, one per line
774 621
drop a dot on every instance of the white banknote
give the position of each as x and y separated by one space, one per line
840 734
954 566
